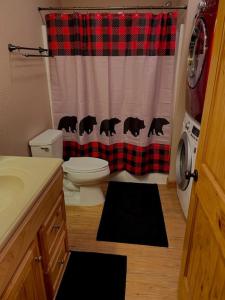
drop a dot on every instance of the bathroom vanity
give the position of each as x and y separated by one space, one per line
33 235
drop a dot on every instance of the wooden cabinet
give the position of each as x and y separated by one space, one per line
54 246
28 282
57 265
33 261
52 229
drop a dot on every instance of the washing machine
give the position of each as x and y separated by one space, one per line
200 48
186 156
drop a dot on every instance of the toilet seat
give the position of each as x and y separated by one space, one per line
85 165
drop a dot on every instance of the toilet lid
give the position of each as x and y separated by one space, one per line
85 164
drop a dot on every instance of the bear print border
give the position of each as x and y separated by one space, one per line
131 124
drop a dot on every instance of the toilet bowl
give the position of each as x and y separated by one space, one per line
82 175
82 179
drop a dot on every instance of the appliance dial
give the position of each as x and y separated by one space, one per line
202 5
187 125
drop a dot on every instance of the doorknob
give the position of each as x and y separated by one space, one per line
194 175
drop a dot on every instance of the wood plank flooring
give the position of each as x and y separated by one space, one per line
152 272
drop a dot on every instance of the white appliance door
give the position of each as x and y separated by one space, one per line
183 162
197 52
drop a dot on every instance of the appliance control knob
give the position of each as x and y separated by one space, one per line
187 125
202 5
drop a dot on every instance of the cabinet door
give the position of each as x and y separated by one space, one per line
54 247
51 231
27 283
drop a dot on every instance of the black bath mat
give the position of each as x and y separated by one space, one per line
94 276
133 214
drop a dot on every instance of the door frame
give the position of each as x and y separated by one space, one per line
218 54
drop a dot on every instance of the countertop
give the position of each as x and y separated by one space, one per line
21 181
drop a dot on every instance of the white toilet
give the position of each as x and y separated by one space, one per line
82 175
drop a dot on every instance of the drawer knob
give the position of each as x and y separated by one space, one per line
38 258
56 226
61 261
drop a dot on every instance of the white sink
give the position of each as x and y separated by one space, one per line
11 188
21 181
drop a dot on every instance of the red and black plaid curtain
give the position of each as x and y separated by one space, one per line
111 34
112 80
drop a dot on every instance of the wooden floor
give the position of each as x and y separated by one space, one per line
152 272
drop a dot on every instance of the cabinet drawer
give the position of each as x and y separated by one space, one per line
51 230
58 263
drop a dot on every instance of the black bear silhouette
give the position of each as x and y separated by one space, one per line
134 125
87 125
157 125
108 126
68 123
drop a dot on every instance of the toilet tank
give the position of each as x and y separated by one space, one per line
47 144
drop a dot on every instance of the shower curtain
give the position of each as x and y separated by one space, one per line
112 86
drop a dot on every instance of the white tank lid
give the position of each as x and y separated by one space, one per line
47 137
85 164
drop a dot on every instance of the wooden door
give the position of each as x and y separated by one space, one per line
203 264
27 283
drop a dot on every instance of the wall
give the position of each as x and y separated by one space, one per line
179 101
119 2
24 101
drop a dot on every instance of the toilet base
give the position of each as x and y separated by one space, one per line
84 196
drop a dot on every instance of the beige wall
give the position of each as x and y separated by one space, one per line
179 101
121 3
117 2
24 101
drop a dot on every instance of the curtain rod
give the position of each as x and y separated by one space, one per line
114 8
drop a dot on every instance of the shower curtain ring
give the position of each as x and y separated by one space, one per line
167 4
137 9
